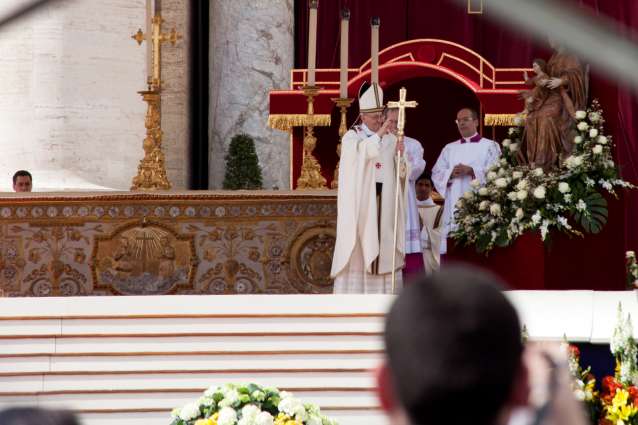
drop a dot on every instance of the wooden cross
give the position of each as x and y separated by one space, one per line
401 105
157 37
472 9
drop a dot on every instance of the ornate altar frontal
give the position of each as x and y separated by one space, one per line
167 243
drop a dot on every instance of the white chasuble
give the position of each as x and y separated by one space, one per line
364 231
479 155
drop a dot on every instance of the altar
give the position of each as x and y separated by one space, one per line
117 243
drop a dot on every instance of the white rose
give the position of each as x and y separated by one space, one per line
578 161
514 147
602 140
594 116
580 115
521 195
512 196
519 213
249 413
501 182
468 195
563 187
539 192
536 218
598 149
578 140
630 254
227 416
483 205
593 133
567 197
506 143
580 395
495 209
230 398
522 185
483 191
491 175
511 131
264 418
538 172
582 126
517 175
189 411
475 183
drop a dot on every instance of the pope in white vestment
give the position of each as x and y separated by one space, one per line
459 163
362 261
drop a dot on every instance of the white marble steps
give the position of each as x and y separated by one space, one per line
130 360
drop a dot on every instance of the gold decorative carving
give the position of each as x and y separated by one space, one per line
310 258
310 177
144 258
151 172
343 104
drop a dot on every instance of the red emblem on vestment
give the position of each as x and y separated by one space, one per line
378 165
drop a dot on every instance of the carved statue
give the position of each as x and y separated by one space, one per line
560 91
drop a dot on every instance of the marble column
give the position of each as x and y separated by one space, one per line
69 111
175 93
251 53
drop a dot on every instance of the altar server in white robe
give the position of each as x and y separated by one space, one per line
431 218
414 156
459 163
362 261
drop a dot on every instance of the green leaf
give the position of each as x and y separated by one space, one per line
594 219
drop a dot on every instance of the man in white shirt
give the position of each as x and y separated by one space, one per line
459 163
430 215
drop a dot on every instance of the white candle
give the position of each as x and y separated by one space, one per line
343 76
312 41
374 47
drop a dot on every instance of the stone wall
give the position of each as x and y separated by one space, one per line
69 111
251 53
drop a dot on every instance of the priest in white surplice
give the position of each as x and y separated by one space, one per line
459 163
362 261
414 267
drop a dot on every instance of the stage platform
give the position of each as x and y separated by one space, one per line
130 360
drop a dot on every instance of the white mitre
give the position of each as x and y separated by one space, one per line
370 98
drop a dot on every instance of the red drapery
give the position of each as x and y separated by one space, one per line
403 20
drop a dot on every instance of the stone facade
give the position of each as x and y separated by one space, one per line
251 53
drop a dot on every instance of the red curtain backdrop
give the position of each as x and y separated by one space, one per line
403 20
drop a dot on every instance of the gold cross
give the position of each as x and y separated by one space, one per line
401 105
472 10
157 38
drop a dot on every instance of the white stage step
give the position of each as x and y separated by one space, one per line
130 360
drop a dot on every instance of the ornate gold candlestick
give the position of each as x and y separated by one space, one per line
310 177
151 172
343 104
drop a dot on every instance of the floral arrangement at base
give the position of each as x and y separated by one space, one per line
248 404
583 382
516 198
632 270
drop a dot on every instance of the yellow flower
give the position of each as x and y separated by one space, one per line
282 419
620 411
207 421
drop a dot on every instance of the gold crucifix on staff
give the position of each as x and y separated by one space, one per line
157 37
400 105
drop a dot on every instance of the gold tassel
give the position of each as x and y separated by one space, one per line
285 122
499 119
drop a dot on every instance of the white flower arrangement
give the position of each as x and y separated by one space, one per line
623 347
517 198
248 404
